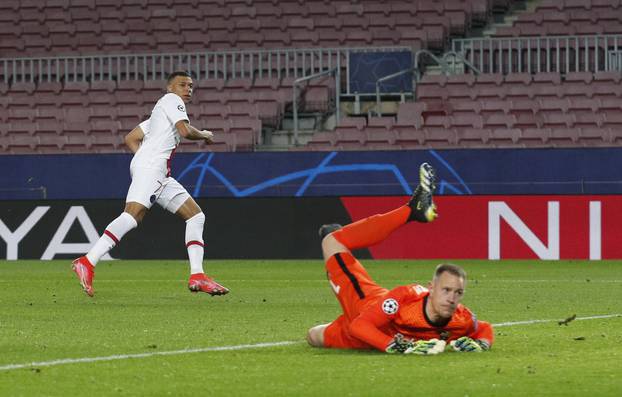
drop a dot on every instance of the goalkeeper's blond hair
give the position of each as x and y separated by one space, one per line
450 268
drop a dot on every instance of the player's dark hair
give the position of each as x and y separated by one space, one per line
450 268
182 73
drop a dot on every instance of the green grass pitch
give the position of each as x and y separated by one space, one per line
144 307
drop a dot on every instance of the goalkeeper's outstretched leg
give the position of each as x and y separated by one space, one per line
376 228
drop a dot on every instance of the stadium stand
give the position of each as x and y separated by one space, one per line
86 27
518 110
522 103
567 17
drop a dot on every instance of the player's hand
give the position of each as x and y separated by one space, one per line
428 347
208 136
466 344
399 344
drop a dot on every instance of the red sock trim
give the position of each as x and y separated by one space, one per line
194 242
112 236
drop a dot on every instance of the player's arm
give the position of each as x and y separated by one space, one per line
189 132
134 138
366 327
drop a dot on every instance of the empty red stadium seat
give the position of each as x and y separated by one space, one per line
504 137
351 124
440 137
410 114
473 137
380 125
410 138
563 137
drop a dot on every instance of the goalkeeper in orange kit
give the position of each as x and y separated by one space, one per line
407 319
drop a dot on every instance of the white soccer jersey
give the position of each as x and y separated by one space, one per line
161 136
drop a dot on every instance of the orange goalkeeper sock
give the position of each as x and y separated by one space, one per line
372 230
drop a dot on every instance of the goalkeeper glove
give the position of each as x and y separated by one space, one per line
428 347
466 344
421 347
399 344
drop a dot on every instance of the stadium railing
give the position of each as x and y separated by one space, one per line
281 63
560 54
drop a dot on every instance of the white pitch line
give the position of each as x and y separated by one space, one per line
527 322
143 355
228 348
548 281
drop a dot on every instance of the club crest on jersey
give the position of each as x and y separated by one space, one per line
390 306
181 108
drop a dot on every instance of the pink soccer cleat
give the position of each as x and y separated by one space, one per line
85 272
199 282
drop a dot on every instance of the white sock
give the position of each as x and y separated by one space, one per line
194 242
112 235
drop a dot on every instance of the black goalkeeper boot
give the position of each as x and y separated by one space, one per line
422 207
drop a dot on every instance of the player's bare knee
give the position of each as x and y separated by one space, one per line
331 246
136 210
315 335
327 241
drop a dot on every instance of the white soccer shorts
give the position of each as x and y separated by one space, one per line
153 186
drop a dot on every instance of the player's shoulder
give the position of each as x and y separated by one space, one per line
463 313
410 292
170 97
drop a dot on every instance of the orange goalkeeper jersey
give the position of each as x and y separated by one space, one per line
402 310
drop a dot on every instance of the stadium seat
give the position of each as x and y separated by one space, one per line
440 137
268 112
410 114
54 87
50 143
504 137
559 120
380 125
323 139
352 124
409 138
594 136
534 137
22 87
563 137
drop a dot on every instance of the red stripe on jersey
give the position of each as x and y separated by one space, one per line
168 162
194 242
112 236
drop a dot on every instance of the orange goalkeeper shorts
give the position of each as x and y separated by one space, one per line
355 290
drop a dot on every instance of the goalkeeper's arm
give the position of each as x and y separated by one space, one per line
367 331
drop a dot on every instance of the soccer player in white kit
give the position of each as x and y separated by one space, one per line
153 143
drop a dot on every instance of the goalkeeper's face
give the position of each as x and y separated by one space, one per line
446 293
